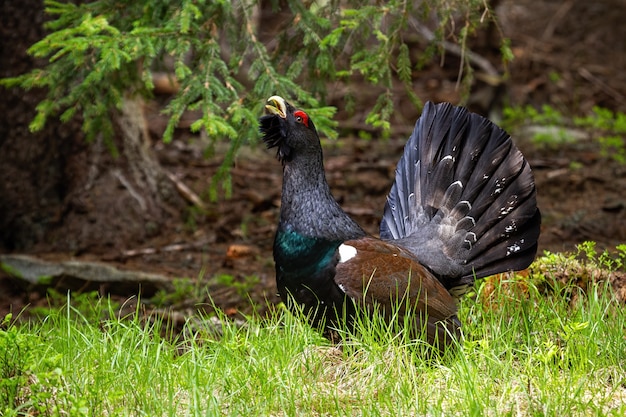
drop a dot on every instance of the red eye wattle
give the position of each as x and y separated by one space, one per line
301 117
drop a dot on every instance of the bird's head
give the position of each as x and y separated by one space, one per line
288 129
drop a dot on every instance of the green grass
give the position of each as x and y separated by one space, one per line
524 353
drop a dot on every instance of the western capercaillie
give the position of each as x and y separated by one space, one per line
462 207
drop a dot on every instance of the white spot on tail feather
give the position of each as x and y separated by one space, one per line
346 252
512 227
514 248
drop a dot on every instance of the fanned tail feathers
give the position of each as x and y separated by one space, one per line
464 199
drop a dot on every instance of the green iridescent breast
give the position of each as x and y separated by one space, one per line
299 256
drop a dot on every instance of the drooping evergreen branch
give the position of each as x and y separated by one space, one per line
99 52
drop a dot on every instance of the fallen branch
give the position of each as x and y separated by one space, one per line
607 89
185 191
174 247
37 271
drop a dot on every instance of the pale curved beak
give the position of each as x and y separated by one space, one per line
276 105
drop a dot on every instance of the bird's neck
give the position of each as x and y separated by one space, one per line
307 206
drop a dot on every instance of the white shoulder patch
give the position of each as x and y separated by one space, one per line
346 252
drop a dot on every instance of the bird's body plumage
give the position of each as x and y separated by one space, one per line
462 207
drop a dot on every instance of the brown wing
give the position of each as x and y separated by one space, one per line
383 274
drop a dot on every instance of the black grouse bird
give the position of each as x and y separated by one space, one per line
462 207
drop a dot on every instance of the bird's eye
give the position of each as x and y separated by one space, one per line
301 117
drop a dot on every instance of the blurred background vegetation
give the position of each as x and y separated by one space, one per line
128 129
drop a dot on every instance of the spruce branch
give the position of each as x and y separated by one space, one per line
101 51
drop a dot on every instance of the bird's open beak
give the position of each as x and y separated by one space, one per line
276 105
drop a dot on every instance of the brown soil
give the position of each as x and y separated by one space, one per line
581 194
